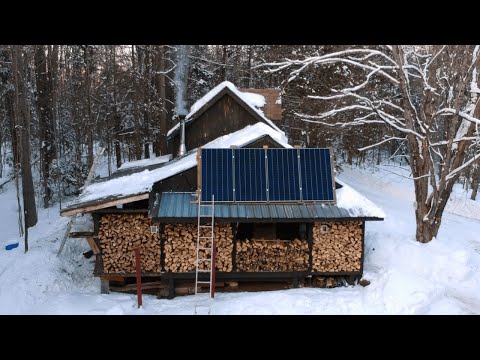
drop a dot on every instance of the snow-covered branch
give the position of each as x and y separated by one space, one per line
382 142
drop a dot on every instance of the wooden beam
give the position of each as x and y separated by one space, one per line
93 245
90 208
80 234
138 268
145 286
199 174
332 170
104 286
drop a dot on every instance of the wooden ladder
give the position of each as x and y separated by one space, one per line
206 211
90 176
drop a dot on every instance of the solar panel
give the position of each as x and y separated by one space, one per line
283 181
316 175
250 175
217 174
266 175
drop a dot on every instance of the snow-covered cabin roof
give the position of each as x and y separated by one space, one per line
180 206
250 101
355 203
145 162
140 183
131 167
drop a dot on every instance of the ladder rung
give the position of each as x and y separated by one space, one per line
203 282
204 248
203 271
203 259
206 226
205 237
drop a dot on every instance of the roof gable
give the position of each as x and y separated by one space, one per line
214 95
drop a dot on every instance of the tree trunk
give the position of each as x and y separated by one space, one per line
136 116
475 182
45 117
161 140
51 149
223 71
22 121
147 99
250 56
116 115
90 125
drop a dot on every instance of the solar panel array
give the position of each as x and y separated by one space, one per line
266 175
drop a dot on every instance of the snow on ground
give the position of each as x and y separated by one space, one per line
407 277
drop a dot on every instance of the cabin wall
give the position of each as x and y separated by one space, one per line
222 118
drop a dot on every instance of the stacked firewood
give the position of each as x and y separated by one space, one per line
120 234
337 247
271 255
181 245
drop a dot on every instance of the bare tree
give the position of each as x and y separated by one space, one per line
475 181
45 79
22 125
427 94
160 144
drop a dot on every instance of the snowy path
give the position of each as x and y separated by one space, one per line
406 277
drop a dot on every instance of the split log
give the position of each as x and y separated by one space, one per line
337 247
119 235
272 256
181 247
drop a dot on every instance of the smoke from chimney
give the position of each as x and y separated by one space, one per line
180 78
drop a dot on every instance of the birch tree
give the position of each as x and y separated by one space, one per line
428 95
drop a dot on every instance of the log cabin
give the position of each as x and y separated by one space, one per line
153 203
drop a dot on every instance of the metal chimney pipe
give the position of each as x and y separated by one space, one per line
182 150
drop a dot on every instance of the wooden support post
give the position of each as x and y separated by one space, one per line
234 227
104 286
161 230
171 288
93 245
199 174
362 259
138 267
214 265
310 245
295 282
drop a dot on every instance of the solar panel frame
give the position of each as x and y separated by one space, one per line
267 175
216 171
316 175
